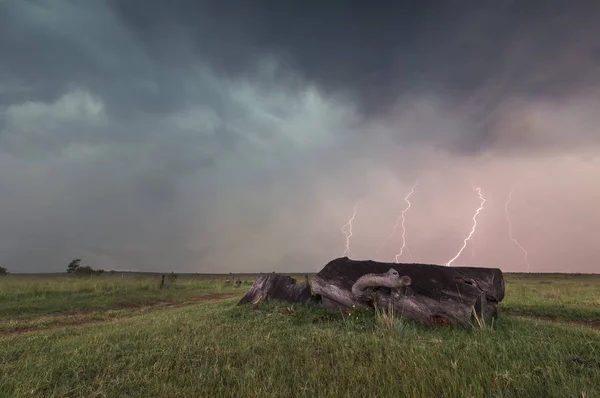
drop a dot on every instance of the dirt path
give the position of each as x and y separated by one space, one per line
592 324
84 317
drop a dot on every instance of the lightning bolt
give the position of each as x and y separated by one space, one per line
510 232
399 220
347 230
478 189
412 190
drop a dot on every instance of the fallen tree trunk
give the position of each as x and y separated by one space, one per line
430 294
280 287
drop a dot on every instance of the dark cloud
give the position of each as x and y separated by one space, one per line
475 57
376 51
238 135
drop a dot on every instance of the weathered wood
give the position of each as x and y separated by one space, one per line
364 288
435 294
274 286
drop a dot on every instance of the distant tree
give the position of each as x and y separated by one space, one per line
83 271
173 277
3 271
74 266
87 271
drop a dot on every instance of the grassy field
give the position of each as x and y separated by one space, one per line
25 296
112 337
556 296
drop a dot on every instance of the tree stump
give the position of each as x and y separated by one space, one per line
431 294
280 287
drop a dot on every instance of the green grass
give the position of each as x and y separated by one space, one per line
560 296
222 350
26 296
280 350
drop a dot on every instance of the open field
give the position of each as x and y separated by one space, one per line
24 296
111 336
555 296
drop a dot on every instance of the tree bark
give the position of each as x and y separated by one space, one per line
280 287
435 295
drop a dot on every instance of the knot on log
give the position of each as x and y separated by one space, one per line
364 288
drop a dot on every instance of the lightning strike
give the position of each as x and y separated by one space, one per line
402 215
478 189
510 231
399 220
347 230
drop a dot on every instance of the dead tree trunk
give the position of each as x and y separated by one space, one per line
432 294
273 286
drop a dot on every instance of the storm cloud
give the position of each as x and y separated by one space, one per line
207 136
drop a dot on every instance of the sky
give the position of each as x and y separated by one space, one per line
211 136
